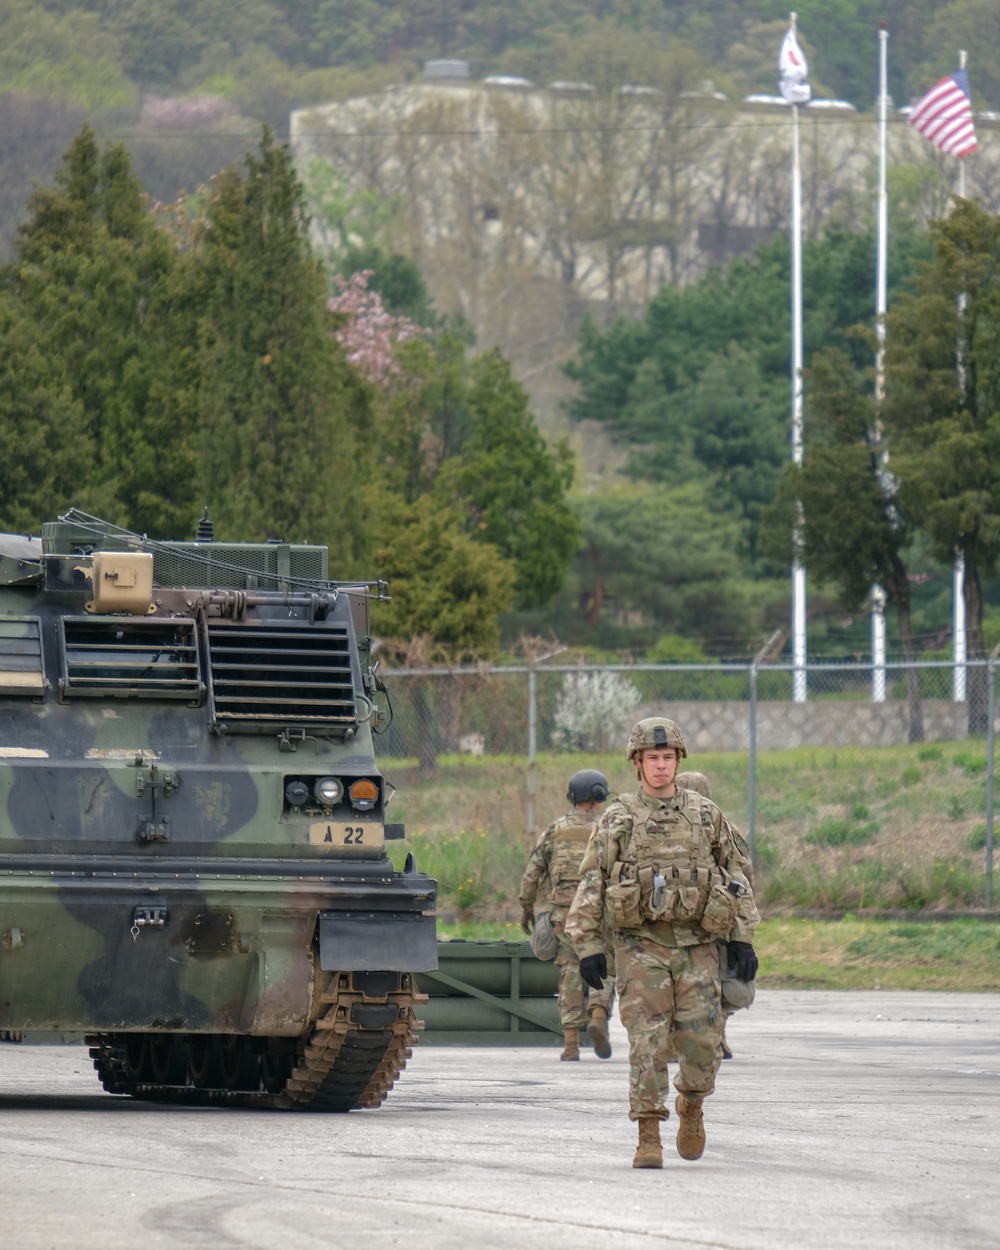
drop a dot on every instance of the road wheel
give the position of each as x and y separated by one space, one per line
167 1059
137 1058
275 1066
240 1066
204 1057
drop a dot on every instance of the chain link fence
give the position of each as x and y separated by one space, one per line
867 776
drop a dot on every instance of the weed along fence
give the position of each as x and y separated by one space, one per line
493 993
877 785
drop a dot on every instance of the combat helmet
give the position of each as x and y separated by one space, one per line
587 786
695 781
655 731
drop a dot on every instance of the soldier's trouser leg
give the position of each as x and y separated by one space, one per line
658 987
698 1020
572 991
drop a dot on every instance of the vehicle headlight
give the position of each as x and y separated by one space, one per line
364 795
296 793
329 791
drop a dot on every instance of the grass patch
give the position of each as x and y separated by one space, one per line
976 841
832 832
853 954
971 765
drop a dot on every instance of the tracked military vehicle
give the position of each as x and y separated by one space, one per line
193 872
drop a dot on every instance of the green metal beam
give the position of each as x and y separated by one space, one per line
503 1004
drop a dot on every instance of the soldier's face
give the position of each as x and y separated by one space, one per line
657 770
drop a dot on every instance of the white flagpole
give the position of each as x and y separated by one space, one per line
798 569
959 651
881 294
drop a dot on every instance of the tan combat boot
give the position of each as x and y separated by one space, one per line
571 1050
691 1129
649 1153
597 1031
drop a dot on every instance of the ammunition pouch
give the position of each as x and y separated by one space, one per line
692 896
722 906
622 900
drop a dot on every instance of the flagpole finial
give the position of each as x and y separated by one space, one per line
963 58
793 18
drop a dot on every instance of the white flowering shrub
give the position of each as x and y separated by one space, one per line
594 711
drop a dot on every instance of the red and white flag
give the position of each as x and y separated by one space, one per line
944 116
793 70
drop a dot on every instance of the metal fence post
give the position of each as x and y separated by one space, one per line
532 783
752 783
990 742
777 637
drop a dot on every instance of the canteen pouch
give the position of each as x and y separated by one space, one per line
544 941
621 899
721 909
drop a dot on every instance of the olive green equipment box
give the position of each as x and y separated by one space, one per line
490 994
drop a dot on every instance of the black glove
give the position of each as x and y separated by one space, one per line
594 970
742 961
527 920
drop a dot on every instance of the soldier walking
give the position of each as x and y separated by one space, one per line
664 864
553 872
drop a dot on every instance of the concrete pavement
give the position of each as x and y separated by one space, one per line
845 1121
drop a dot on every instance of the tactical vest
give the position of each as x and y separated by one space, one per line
569 836
667 872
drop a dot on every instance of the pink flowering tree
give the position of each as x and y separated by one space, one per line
368 333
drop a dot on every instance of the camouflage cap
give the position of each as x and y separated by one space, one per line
655 731
695 781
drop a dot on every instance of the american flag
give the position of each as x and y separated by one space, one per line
944 115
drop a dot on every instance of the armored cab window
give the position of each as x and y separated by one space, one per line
145 659
271 676
21 667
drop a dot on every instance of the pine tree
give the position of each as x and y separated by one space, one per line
280 407
92 274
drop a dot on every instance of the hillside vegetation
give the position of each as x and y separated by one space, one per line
188 83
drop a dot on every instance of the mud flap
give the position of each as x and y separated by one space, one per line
352 941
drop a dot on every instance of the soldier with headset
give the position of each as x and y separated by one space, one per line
549 884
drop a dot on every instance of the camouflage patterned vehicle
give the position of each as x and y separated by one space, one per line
192 823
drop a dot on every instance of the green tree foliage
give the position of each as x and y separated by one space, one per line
279 407
91 275
942 406
700 386
511 485
444 583
62 50
149 371
842 504
44 449
656 557
459 429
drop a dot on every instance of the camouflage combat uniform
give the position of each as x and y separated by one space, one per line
665 934
552 874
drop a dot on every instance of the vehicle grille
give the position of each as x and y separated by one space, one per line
281 676
237 565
